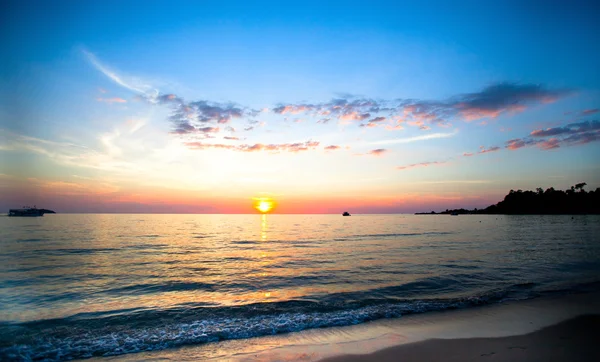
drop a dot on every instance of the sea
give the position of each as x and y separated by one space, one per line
90 285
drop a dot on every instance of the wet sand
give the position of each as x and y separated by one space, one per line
573 340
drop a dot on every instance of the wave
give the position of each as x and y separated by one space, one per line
392 235
130 331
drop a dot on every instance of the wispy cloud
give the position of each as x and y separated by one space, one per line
111 100
422 164
332 148
131 83
424 137
256 147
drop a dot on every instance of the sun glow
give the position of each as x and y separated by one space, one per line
264 205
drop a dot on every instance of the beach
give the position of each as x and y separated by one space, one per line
572 340
552 328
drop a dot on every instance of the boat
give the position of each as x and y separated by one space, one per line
28 211
346 213
454 214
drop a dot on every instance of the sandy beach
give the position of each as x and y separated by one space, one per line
572 340
551 328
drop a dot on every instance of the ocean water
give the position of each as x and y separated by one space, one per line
77 286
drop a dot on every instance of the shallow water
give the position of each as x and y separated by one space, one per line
74 286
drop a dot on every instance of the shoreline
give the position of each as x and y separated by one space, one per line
571 340
367 341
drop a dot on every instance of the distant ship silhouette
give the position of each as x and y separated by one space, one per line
346 213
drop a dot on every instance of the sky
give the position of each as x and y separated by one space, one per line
323 107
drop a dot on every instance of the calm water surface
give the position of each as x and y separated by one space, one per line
76 286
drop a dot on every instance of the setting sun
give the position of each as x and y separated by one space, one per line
264 205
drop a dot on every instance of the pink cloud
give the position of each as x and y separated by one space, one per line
422 164
273 148
467 154
377 152
393 128
354 116
517 143
332 148
549 144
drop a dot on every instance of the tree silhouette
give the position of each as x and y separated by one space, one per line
550 201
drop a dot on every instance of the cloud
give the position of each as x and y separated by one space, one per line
491 102
482 150
504 97
588 112
488 150
272 148
343 109
517 143
422 164
573 128
420 124
368 125
194 114
111 100
572 134
231 138
131 83
187 116
377 152
393 128
377 119
332 148
415 139
293 109
193 117
549 144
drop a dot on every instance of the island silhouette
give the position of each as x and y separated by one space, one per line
552 202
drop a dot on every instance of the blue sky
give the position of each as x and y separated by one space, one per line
121 105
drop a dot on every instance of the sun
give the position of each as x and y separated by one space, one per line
264 205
